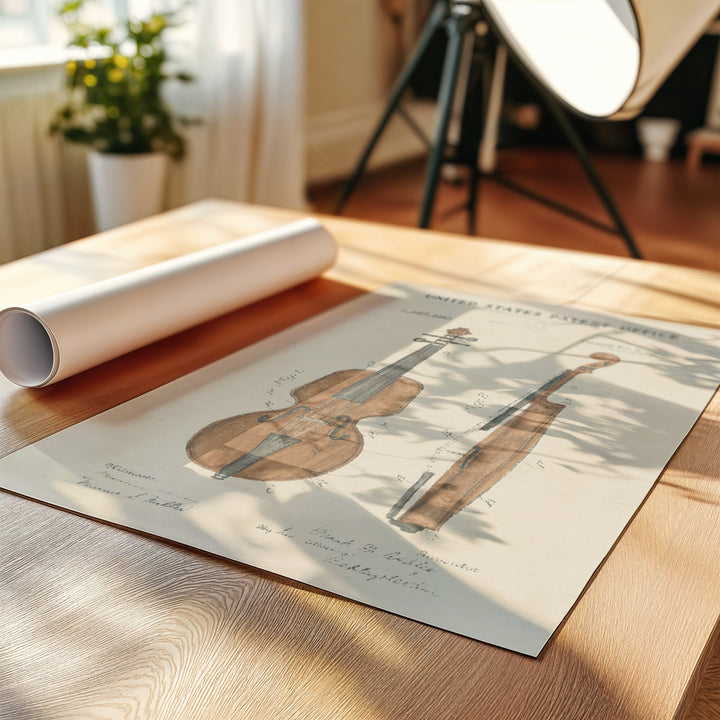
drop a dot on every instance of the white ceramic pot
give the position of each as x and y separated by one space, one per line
657 135
126 187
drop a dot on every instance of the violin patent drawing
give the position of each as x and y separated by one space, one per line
318 433
514 437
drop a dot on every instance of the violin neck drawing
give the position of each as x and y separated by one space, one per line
318 433
514 436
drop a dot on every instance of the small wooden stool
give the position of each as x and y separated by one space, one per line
701 141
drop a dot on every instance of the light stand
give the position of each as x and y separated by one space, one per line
460 17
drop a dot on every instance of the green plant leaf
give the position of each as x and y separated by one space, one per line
115 99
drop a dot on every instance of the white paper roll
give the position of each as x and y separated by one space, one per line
50 339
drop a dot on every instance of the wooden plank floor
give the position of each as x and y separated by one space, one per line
673 213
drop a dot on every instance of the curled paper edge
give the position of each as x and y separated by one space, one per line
50 339
29 353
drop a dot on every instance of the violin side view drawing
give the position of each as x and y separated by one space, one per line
492 458
318 433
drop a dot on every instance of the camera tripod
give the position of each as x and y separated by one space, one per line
460 18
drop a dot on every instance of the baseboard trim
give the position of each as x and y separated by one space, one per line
335 140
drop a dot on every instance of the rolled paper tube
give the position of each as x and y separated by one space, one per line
53 338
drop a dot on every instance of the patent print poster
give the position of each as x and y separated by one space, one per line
462 461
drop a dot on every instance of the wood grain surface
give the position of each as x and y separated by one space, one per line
98 622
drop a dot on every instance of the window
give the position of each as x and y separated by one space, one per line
32 34
23 23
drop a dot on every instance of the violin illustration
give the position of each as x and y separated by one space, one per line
495 456
318 433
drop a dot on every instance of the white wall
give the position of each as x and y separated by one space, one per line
353 54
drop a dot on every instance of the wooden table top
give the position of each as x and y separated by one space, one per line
99 622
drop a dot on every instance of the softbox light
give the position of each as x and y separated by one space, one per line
602 58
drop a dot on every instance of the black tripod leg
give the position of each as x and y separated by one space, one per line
473 192
577 145
434 21
456 27
483 89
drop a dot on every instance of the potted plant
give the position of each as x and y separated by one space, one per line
115 106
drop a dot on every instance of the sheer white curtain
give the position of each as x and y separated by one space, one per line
31 203
248 58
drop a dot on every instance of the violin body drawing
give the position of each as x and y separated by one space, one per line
318 433
314 436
